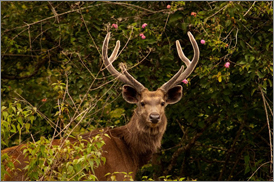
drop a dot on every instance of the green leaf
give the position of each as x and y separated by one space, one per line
5 114
227 22
19 128
117 113
247 167
220 78
246 159
27 126
175 17
201 124
226 98
42 148
242 44
184 27
31 119
70 169
20 120
3 108
13 130
260 74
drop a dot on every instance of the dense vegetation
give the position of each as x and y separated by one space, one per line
54 85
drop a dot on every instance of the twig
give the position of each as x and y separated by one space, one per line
54 12
270 109
85 65
250 8
236 37
30 47
132 5
42 32
144 9
165 24
82 17
48 18
32 138
66 74
209 5
269 129
258 169
141 60
228 33
216 12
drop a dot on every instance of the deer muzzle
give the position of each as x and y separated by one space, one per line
154 117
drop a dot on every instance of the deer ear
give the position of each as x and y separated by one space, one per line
174 94
130 94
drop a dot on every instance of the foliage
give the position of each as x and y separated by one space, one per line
73 161
67 161
54 83
6 162
127 176
14 121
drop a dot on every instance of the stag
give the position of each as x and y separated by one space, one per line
131 146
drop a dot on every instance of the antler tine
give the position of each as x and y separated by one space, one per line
181 75
108 61
181 54
113 55
124 77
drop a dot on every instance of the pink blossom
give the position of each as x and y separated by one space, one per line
114 25
227 64
144 25
202 41
168 6
142 35
185 81
193 14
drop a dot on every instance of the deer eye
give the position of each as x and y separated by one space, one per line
163 103
142 104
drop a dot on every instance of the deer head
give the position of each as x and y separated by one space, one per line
151 104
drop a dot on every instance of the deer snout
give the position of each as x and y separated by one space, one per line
154 117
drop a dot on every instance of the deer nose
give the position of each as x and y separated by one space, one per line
154 118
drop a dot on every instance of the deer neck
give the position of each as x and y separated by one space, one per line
141 138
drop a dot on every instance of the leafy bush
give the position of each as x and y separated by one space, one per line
73 161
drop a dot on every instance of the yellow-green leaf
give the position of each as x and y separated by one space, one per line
117 113
220 78
27 126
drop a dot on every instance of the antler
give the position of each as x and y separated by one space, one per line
181 74
124 77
